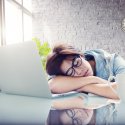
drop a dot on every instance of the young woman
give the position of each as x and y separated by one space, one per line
88 72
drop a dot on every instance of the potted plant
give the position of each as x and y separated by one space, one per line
44 49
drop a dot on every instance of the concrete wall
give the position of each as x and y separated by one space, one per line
87 24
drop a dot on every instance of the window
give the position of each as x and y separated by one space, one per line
123 24
17 21
19 1
27 4
27 27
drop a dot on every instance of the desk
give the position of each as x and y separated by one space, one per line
121 113
29 110
22 110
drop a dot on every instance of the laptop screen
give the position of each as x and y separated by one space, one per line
21 71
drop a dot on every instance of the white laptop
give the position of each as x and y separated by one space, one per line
21 71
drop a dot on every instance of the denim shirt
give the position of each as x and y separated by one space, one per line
107 65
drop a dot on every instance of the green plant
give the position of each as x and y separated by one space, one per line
44 49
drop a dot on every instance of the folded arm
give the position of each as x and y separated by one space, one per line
101 89
92 84
62 84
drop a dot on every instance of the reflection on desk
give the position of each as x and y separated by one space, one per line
71 117
23 110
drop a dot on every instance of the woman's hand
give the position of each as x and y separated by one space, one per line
101 89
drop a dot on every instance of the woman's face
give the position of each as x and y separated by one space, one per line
77 66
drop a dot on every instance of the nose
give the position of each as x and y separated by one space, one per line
78 71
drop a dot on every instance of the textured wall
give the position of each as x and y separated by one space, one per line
87 24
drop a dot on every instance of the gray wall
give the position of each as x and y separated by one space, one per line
87 24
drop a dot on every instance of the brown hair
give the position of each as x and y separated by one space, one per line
60 52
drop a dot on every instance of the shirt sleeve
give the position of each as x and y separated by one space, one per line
119 65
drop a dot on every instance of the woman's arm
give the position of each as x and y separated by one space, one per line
76 102
62 84
101 89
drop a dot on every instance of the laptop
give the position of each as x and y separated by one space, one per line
21 71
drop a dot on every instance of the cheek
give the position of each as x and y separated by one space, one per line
89 66
63 68
86 64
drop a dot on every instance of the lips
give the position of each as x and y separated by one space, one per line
85 73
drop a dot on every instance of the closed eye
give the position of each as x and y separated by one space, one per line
77 62
70 72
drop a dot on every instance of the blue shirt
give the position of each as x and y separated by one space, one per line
106 65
